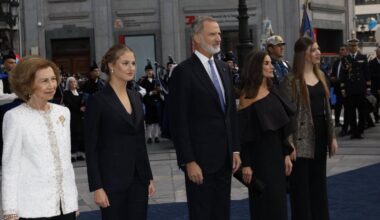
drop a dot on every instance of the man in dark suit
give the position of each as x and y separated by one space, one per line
334 78
374 69
355 83
203 124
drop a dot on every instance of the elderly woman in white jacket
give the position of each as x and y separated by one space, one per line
38 178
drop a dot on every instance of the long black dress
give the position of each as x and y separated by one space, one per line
264 128
74 103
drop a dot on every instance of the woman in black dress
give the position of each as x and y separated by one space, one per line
73 100
313 135
264 118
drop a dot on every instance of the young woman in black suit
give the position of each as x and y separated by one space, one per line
118 167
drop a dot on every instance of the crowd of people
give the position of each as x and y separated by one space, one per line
275 141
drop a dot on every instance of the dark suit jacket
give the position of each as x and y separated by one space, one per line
200 130
334 73
115 142
374 69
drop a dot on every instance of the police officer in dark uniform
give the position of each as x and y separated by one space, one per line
276 47
355 84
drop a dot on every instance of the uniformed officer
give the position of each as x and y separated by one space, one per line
355 83
276 47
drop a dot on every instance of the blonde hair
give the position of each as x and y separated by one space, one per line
22 76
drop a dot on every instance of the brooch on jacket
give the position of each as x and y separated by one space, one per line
62 119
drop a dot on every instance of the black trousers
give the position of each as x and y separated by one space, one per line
346 118
356 103
210 200
308 190
131 204
70 216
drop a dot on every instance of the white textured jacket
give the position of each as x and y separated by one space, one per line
38 176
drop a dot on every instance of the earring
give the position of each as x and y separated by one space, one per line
111 70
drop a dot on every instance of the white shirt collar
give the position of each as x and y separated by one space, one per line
202 57
378 60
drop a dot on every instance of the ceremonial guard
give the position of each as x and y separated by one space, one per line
355 84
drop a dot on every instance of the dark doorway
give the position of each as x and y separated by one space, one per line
329 40
72 54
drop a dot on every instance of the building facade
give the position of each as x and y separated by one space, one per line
367 17
74 33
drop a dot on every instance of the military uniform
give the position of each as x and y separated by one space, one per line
355 82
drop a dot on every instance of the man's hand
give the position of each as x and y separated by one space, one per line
101 198
344 93
194 172
236 162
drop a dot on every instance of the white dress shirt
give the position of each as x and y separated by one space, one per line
206 65
38 176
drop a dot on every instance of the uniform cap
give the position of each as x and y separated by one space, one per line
275 40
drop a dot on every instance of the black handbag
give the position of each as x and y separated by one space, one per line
256 186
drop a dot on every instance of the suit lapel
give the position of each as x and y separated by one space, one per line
117 106
204 78
137 107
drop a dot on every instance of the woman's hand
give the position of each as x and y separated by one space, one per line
288 165
334 147
77 213
293 155
151 189
247 174
101 198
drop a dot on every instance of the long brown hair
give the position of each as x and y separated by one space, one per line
252 74
300 48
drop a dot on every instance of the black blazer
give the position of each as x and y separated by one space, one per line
115 142
200 130
374 70
334 73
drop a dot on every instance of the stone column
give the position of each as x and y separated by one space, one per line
32 30
103 27
170 30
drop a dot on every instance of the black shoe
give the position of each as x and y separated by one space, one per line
149 141
337 125
156 140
